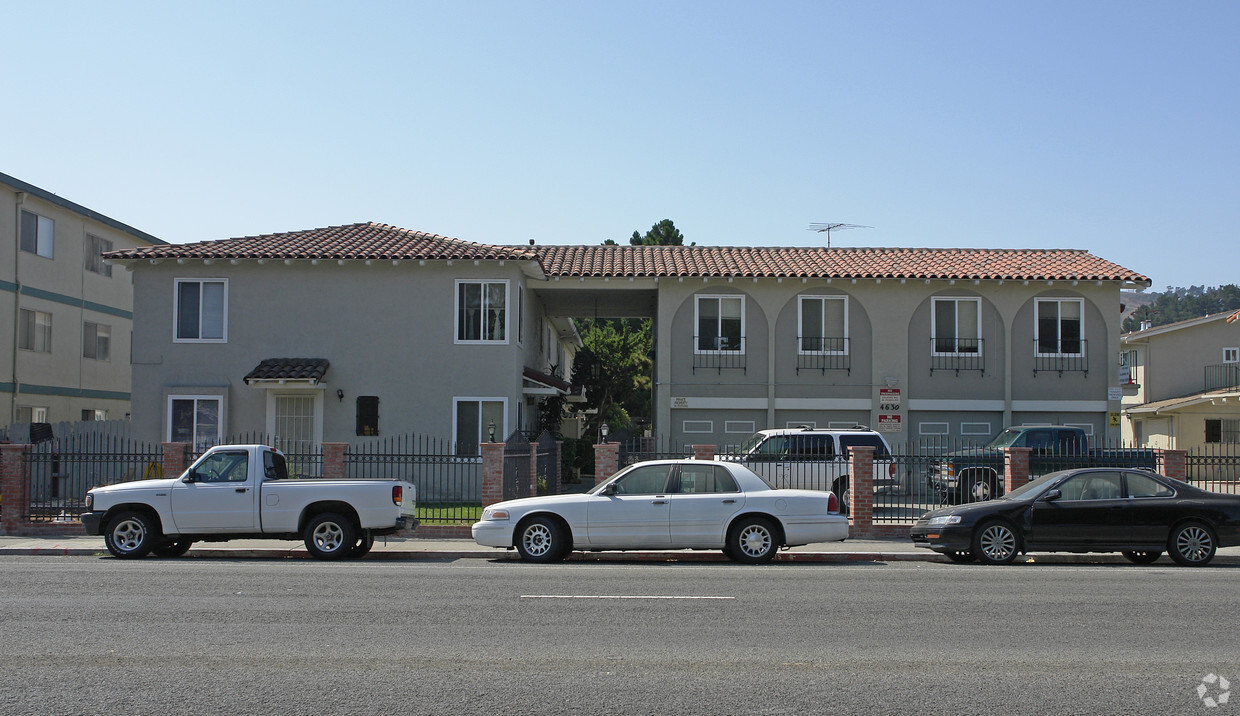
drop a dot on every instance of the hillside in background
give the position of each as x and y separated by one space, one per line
1176 304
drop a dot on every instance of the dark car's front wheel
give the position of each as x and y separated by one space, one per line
996 543
1192 544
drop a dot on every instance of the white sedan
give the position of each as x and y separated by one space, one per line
667 504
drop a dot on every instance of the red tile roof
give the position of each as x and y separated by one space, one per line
355 241
673 261
384 242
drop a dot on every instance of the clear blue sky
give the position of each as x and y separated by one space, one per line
1107 126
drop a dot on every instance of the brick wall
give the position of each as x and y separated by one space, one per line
861 492
1015 468
606 461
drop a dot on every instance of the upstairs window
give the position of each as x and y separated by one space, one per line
956 326
1231 355
96 341
1058 329
481 311
201 310
38 234
95 247
720 324
34 331
194 419
823 325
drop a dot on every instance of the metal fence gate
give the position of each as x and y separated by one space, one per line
547 456
516 466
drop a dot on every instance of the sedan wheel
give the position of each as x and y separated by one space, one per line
1192 544
541 540
752 541
960 557
995 543
1142 557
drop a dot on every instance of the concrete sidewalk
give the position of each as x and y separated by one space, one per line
849 551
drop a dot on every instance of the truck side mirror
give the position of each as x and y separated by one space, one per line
190 476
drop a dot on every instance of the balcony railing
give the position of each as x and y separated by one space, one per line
957 354
1224 376
1062 356
823 353
729 353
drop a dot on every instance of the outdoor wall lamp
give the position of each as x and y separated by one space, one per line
340 394
603 430
491 432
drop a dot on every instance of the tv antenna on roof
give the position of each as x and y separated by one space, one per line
829 227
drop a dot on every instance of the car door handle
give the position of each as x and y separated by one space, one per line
242 489
659 502
729 502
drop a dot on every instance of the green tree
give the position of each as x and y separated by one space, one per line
663 233
614 367
1182 304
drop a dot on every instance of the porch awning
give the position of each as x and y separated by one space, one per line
1171 405
538 383
286 371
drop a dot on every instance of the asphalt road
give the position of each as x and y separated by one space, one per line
98 635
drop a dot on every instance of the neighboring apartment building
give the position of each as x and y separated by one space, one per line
448 336
1182 383
65 315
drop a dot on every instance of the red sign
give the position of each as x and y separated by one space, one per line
889 423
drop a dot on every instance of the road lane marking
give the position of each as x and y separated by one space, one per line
613 596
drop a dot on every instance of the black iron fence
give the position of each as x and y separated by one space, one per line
63 469
305 457
1215 467
449 486
642 448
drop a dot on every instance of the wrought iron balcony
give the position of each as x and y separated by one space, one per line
823 353
957 354
1061 356
1224 376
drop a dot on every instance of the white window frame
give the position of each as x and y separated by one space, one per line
33 413
501 431
932 428
44 235
520 314
697 307
746 427
698 426
176 310
91 341
956 337
219 428
456 312
95 246
1037 328
39 337
1231 355
801 350
976 429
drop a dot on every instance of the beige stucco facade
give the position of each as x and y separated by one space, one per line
71 306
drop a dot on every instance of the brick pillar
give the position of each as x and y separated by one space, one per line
533 470
492 473
1015 468
175 458
1172 463
861 489
333 460
606 461
14 486
703 452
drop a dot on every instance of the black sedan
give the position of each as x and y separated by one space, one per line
1137 513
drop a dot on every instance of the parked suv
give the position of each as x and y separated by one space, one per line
814 458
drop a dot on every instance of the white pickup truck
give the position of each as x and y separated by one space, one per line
244 491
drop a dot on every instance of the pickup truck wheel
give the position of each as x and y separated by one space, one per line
364 543
753 541
130 535
981 488
172 547
840 488
996 543
1192 544
330 536
1142 557
541 540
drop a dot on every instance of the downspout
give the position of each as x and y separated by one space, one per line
17 292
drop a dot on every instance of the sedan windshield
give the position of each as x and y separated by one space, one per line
1032 488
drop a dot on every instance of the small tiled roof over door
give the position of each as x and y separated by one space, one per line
301 370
